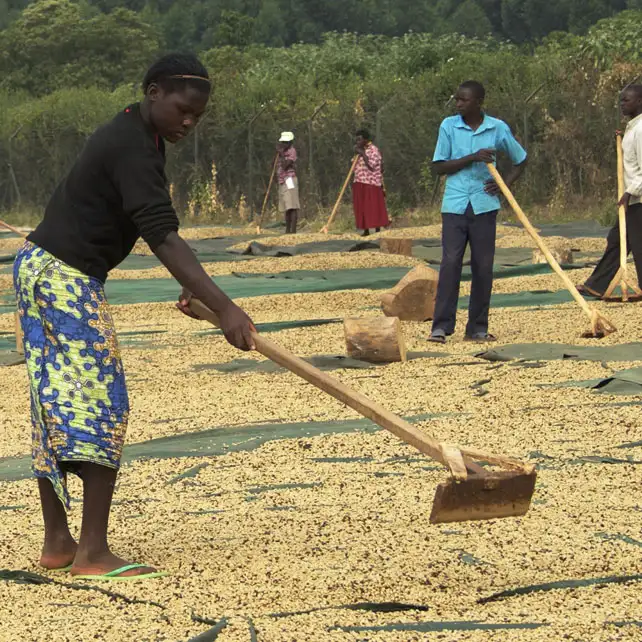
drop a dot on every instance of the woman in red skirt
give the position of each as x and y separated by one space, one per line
368 198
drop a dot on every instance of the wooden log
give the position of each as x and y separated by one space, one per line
396 246
413 298
375 339
562 255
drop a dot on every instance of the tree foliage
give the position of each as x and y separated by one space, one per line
202 24
58 43
66 67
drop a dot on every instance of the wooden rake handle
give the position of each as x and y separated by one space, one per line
13 229
622 218
448 455
267 193
622 210
570 286
326 227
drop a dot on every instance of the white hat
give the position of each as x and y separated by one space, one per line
286 137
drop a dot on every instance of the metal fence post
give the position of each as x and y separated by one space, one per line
250 155
378 121
312 179
12 173
527 112
196 149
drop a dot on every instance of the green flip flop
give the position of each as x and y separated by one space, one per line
63 569
116 575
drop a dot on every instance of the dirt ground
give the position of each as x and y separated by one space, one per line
326 536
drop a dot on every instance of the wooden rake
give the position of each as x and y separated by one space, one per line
621 277
326 227
600 325
267 194
12 229
472 492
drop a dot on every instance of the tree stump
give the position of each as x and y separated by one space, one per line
396 246
375 339
563 255
413 298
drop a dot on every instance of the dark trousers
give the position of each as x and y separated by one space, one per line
457 232
609 264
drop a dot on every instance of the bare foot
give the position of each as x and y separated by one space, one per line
58 552
105 563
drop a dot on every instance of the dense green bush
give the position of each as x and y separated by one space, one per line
560 98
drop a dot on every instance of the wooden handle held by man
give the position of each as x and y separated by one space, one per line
599 324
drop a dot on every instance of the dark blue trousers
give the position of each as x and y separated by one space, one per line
457 232
609 264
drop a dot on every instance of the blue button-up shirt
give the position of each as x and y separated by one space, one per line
456 140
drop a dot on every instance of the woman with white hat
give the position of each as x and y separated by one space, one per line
288 182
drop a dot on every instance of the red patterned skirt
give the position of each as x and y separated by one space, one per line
369 205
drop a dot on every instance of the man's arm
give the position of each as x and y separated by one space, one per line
177 256
453 166
515 172
491 187
510 146
442 161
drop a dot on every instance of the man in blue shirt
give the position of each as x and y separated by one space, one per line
469 210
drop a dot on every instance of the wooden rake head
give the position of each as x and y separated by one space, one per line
475 493
600 327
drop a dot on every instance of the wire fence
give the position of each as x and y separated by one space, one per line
567 130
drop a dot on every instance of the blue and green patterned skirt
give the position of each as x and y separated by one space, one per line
79 402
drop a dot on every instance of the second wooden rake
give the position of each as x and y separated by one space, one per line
621 278
600 325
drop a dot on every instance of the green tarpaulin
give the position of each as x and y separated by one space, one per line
322 362
34 579
574 229
277 326
561 584
438 626
241 285
213 250
8 355
218 441
625 382
146 339
256 248
553 351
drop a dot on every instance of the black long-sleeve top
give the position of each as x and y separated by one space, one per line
115 193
